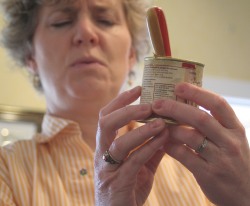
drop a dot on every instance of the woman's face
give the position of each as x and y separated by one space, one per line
82 51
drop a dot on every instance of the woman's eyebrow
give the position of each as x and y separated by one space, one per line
67 9
104 9
96 9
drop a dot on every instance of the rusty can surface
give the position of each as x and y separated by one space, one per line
160 76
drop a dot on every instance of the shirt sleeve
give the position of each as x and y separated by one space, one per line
6 194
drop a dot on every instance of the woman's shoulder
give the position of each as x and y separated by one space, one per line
18 149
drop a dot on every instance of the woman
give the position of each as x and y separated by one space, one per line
82 51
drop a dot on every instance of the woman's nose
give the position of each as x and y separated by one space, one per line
86 33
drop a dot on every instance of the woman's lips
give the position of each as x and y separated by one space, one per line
87 63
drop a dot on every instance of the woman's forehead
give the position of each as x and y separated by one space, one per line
52 2
68 2
96 5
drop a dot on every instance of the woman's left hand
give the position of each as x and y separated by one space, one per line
128 179
213 147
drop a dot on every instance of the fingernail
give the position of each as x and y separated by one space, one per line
134 90
179 89
156 123
157 104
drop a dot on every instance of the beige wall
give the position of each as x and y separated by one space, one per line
15 87
214 32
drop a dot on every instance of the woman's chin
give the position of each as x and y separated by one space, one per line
91 92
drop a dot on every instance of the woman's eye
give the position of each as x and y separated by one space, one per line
61 24
106 22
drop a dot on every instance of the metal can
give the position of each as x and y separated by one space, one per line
160 76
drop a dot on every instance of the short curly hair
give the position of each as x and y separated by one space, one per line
21 21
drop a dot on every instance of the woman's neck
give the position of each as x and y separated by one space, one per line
87 118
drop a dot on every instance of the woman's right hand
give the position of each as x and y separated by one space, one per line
139 150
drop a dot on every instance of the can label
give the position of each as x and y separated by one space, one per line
160 76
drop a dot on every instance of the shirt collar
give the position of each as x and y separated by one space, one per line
55 126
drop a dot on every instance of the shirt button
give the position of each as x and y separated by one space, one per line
83 172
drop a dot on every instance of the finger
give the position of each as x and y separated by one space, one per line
186 156
124 115
121 100
194 117
145 154
109 124
123 145
193 139
217 105
154 162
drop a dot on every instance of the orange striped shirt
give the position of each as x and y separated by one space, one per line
55 168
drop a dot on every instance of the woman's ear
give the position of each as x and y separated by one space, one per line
31 65
33 70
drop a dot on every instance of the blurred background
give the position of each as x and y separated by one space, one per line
215 33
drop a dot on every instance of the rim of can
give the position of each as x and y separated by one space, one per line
173 59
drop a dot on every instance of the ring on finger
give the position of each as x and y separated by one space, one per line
202 146
107 157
